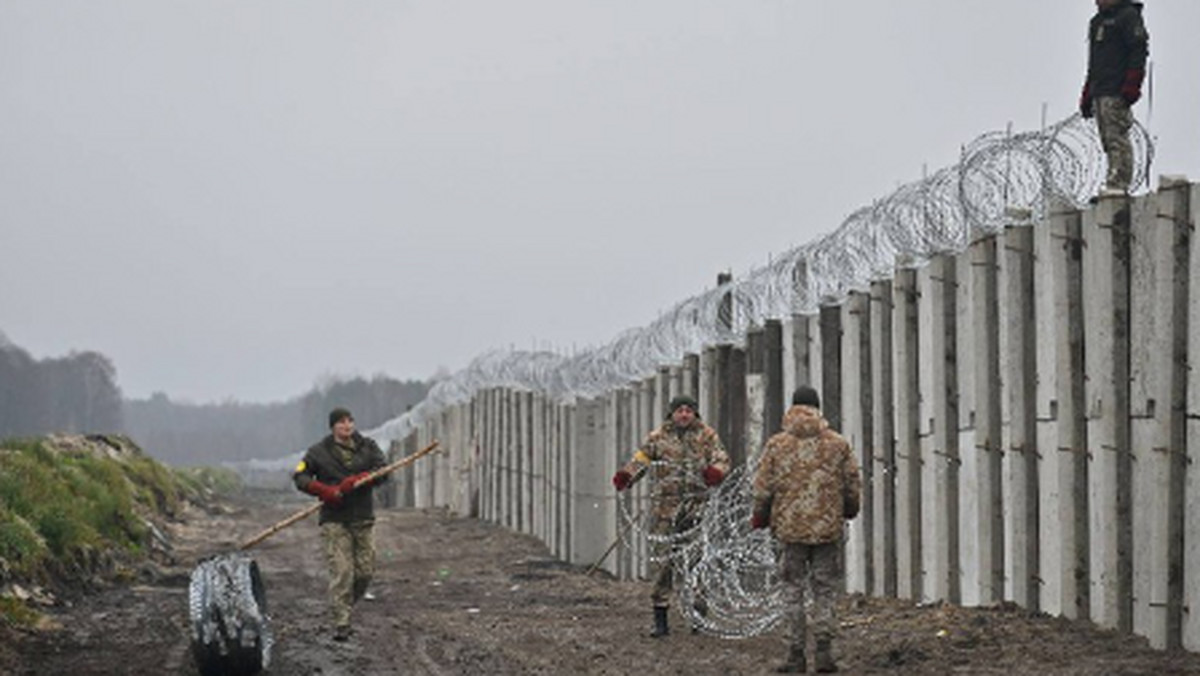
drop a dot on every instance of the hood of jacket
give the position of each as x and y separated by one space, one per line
804 422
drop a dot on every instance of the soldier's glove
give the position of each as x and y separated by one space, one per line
622 480
329 495
347 485
713 475
1131 89
760 520
1085 102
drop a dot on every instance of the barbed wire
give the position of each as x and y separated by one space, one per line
721 564
726 574
1002 178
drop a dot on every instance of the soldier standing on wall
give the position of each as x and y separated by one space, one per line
806 487
680 454
1117 48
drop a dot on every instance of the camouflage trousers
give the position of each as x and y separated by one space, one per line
350 555
663 552
662 567
812 579
1114 119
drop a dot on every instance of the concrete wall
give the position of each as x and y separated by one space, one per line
1024 413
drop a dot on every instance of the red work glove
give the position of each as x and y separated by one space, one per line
347 485
1085 102
1131 89
622 480
760 520
712 475
330 495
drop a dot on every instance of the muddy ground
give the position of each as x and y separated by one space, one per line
457 596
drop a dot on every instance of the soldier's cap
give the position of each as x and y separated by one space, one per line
337 414
683 400
806 396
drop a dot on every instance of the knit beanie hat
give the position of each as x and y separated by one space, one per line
337 414
806 396
683 400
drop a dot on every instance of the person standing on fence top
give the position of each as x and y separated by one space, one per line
807 485
1118 45
330 469
685 458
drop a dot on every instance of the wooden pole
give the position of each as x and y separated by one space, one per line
312 509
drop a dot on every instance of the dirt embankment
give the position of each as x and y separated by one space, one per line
457 596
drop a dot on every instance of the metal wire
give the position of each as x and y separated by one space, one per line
1002 178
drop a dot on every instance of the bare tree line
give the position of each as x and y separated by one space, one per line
79 394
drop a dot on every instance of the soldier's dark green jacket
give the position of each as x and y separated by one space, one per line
1118 42
328 462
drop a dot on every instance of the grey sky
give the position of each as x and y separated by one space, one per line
233 198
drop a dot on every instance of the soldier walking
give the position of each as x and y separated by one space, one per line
1117 48
685 458
330 469
806 487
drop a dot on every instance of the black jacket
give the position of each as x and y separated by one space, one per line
322 463
1118 43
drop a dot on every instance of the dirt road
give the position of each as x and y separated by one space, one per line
457 596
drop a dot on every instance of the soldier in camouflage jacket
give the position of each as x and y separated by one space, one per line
684 457
807 485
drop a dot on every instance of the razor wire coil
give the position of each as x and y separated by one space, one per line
1001 179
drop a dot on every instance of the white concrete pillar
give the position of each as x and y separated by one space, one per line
648 419
967 350
883 439
1061 427
538 465
906 384
709 397
1191 536
618 451
938 430
857 409
569 431
594 523
1106 309
1158 361
984 471
1018 364
756 394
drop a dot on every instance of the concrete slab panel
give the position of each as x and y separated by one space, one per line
883 439
906 369
1191 536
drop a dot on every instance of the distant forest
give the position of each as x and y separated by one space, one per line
201 434
75 393
79 394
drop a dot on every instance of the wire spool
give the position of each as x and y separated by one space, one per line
231 630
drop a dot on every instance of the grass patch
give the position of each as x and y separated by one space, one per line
205 483
62 500
13 611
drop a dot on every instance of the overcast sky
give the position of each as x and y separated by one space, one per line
232 199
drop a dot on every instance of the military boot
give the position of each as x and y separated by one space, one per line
825 663
660 623
796 663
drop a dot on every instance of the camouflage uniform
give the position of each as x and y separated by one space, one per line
1114 119
1118 45
806 486
346 530
675 459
